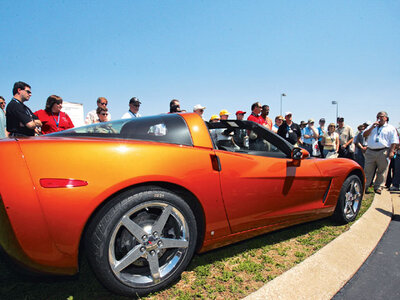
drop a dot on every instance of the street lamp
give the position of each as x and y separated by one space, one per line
337 108
282 95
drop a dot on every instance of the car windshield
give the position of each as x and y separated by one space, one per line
168 128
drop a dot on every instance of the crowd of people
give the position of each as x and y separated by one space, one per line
375 146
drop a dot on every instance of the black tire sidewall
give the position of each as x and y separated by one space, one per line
101 228
339 215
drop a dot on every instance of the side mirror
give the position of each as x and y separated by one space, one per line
299 153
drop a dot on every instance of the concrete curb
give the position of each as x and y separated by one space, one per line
396 203
324 273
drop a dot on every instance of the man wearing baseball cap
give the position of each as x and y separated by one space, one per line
310 136
240 115
133 112
240 136
289 130
224 114
346 138
199 109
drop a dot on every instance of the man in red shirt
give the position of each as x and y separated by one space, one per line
264 115
255 114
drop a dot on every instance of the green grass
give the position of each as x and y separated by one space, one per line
229 272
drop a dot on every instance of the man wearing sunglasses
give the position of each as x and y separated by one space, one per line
199 109
382 140
20 119
133 112
92 117
3 131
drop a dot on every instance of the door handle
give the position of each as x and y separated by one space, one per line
216 163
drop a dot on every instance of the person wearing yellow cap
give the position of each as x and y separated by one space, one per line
224 137
224 114
214 119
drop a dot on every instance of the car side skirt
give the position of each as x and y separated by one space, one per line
244 235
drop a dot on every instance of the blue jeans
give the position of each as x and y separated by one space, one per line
360 158
328 151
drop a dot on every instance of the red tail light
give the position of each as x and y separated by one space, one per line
61 183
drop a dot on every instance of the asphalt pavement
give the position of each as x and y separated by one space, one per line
362 263
379 276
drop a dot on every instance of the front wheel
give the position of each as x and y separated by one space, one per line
349 201
141 241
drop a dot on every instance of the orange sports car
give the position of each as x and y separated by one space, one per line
139 196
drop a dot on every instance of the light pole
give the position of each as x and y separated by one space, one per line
337 108
282 95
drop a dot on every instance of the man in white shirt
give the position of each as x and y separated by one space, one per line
199 109
382 139
92 116
133 112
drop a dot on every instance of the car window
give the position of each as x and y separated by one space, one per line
168 128
249 138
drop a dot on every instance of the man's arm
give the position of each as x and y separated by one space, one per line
33 124
315 132
90 118
337 143
348 143
281 131
298 132
368 131
392 150
30 121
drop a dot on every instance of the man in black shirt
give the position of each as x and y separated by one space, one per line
20 119
290 131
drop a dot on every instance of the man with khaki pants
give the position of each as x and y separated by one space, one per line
382 139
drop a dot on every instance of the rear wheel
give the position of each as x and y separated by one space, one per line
349 201
142 241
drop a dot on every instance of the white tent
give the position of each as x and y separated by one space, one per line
75 112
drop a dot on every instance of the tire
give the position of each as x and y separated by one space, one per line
349 201
141 241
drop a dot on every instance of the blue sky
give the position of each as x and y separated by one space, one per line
221 54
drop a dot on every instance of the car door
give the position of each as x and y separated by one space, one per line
265 187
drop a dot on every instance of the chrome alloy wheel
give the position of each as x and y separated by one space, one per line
352 199
148 244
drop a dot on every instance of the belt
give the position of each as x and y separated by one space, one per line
380 149
307 144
